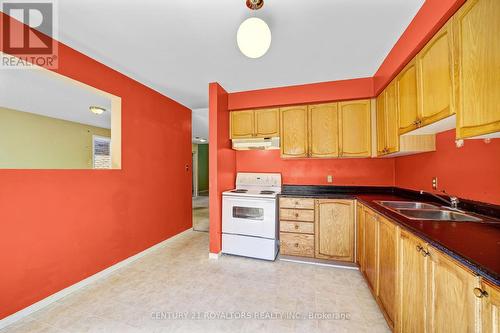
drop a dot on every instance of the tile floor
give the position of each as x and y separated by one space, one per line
200 213
179 277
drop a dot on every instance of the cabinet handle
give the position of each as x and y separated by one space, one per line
419 248
425 253
296 244
480 293
296 203
296 226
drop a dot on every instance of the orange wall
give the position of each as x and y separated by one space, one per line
222 161
471 172
355 171
307 93
50 234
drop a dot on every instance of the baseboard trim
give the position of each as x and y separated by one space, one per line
9 320
319 262
214 255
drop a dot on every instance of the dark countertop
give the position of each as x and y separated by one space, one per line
474 244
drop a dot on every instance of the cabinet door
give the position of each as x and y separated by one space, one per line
477 48
335 229
434 64
391 122
490 310
323 130
267 123
381 124
242 124
406 97
451 303
294 132
359 236
355 129
371 249
387 254
412 284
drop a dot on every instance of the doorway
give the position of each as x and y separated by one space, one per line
200 187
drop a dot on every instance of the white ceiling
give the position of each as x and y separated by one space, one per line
178 46
41 92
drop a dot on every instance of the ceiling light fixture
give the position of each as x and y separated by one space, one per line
254 35
97 109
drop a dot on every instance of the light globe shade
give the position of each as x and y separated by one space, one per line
254 37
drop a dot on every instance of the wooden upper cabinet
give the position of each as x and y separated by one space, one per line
451 303
435 77
267 123
412 284
335 229
294 132
355 128
242 124
391 114
371 249
477 51
406 97
387 272
323 130
381 124
490 307
387 121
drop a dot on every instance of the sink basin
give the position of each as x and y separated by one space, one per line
407 205
439 215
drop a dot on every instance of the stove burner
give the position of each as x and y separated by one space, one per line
239 191
266 192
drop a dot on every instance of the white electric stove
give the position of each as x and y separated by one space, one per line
249 216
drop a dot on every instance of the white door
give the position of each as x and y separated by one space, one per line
249 216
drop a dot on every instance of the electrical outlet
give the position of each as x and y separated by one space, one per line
434 183
329 179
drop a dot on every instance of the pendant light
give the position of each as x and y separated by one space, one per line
254 35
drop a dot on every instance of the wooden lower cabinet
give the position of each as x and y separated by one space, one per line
296 217
412 284
319 228
297 227
451 303
297 203
359 236
335 229
490 307
297 214
371 249
388 234
297 244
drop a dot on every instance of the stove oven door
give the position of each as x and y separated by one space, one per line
249 216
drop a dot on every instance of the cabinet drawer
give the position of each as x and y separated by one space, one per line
298 227
297 215
297 244
302 203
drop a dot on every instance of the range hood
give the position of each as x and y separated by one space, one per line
256 143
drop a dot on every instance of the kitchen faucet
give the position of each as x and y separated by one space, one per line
452 202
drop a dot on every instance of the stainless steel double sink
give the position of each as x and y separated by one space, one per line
424 211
